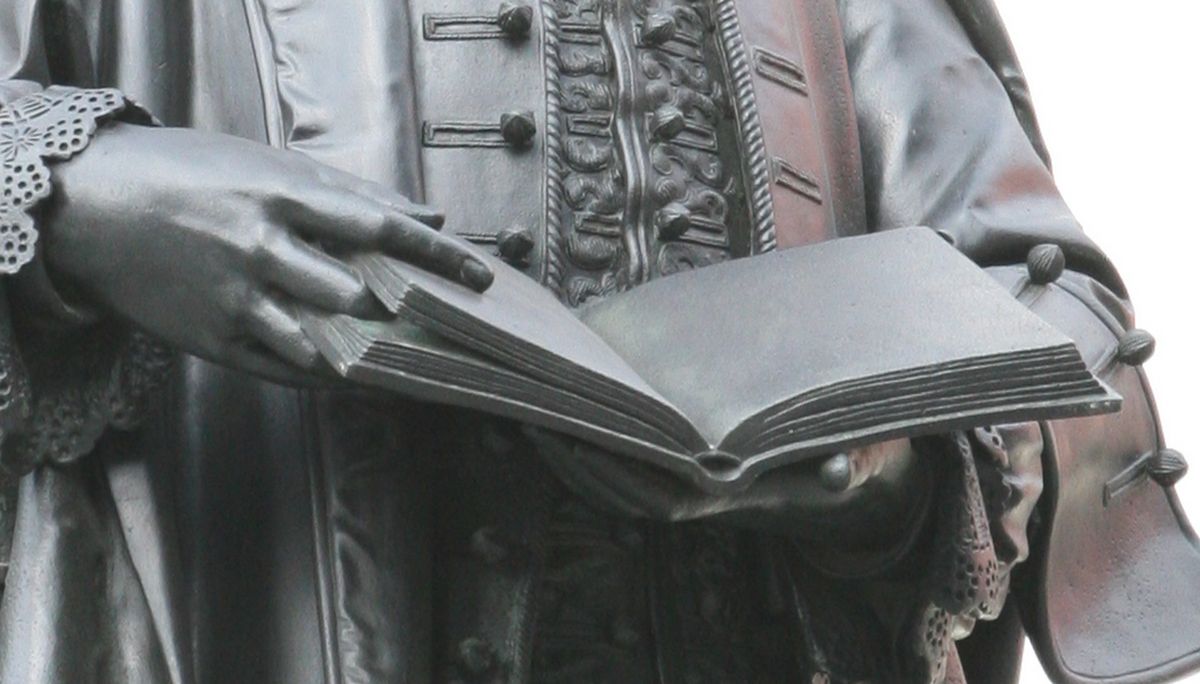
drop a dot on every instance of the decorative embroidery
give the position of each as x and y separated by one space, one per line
643 165
55 124
586 190
694 193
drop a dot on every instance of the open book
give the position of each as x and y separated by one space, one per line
725 371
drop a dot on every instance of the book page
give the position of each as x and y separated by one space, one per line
520 322
728 342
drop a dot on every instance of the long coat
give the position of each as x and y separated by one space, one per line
251 532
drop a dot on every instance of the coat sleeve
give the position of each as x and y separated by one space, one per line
66 372
1108 593
942 144
25 70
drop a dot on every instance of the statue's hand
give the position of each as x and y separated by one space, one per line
883 505
212 243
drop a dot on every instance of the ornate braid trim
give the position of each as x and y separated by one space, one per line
57 123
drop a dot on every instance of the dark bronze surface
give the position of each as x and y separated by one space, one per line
221 513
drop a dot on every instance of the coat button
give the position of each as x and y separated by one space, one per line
667 122
515 19
515 244
624 633
658 28
712 605
673 221
485 544
629 537
837 473
1135 347
1168 467
518 128
475 657
1045 264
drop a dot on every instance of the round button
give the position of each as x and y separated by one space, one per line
673 221
667 122
1135 347
518 127
475 656
515 19
1168 467
515 243
1045 264
658 28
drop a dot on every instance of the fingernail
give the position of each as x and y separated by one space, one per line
435 219
477 274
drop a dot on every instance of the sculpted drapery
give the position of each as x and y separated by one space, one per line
242 530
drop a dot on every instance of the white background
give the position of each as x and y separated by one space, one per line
1115 85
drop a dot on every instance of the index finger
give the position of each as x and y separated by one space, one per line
351 220
384 196
422 246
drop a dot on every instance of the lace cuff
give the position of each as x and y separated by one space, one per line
59 390
57 123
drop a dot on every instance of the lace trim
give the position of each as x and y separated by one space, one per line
969 580
109 379
59 394
57 123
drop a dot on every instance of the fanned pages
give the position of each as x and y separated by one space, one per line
725 371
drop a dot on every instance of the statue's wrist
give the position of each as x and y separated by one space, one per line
55 124
37 132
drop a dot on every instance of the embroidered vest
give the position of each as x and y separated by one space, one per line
600 143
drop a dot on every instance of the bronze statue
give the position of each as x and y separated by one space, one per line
191 495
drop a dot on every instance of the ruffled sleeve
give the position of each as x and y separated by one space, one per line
66 373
